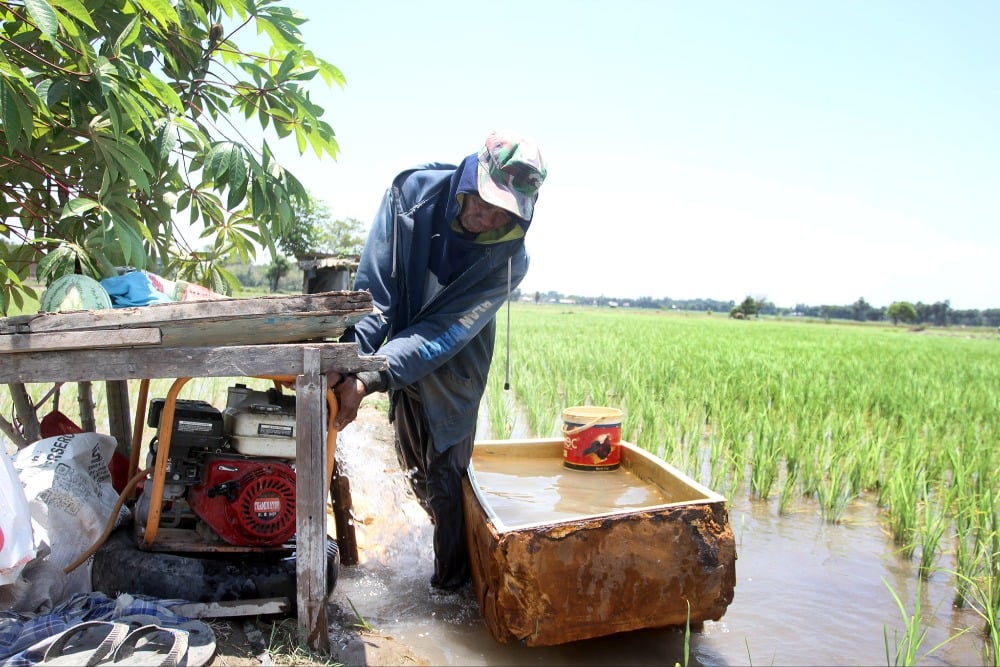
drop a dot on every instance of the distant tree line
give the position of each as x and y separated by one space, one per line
939 314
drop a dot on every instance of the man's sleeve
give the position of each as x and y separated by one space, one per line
438 336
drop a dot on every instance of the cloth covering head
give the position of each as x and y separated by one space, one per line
511 170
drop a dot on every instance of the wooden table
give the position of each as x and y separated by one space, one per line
266 336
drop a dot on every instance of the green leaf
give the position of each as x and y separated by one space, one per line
220 161
15 113
331 74
123 156
166 139
44 16
237 179
300 139
9 115
287 65
162 11
163 92
77 207
127 36
129 236
76 9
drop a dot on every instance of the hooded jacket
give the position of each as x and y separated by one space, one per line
439 344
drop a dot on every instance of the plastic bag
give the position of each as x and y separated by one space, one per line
70 497
17 546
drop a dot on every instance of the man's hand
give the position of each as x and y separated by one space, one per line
349 391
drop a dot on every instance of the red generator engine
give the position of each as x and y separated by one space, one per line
230 477
246 501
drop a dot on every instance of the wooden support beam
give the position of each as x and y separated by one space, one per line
230 608
310 501
151 362
120 415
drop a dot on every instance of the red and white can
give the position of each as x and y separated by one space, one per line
592 438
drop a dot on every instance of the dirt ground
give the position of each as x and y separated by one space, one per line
274 640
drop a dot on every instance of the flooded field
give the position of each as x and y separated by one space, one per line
807 592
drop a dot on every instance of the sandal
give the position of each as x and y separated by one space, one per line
152 645
85 643
200 636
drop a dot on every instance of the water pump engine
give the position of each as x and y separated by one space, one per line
241 488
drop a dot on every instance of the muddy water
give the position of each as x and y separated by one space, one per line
523 491
807 593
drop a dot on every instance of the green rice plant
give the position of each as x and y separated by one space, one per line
789 488
931 525
717 464
965 557
835 494
904 494
499 406
843 411
981 597
764 461
814 456
905 650
989 589
687 636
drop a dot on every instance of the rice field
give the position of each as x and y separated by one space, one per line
788 413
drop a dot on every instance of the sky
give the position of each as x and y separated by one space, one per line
799 152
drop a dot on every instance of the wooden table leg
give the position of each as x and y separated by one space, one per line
310 503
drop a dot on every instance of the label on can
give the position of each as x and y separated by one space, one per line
594 448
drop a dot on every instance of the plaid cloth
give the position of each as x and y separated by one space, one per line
19 632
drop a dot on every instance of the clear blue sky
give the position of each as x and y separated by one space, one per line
804 152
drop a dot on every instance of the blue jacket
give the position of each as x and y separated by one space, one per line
441 346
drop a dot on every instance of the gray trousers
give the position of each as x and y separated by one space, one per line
436 479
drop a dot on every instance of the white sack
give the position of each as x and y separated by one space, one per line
68 487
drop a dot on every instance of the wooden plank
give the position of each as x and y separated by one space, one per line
271 319
310 501
145 362
218 309
70 340
230 608
248 330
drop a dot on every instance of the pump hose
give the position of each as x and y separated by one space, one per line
111 522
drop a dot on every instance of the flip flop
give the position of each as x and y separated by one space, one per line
201 643
201 637
152 645
85 643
